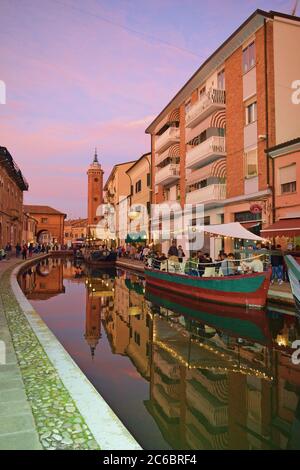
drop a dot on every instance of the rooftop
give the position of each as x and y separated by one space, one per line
12 169
217 58
36 209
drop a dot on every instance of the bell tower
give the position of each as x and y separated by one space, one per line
95 193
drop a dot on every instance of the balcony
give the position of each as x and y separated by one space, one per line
212 101
211 193
206 152
169 137
167 175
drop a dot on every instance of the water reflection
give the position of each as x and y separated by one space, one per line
216 377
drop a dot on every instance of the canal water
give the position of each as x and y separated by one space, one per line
179 374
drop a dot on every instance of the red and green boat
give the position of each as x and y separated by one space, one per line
247 290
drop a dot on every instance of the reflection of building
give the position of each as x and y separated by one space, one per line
74 230
98 294
140 322
95 194
50 223
93 321
43 281
128 324
12 186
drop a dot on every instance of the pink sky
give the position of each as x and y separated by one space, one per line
81 74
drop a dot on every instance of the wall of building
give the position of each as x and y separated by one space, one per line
11 213
287 204
287 70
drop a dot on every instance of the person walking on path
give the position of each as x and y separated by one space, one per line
18 250
8 250
24 251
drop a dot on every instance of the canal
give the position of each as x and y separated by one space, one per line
179 374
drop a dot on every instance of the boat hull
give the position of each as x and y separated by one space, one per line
249 290
240 322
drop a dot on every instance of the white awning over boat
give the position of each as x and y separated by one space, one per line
233 230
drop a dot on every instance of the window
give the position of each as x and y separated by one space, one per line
148 179
202 92
137 338
251 163
44 220
66 234
221 80
288 187
148 207
251 113
96 180
249 57
187 106
138 186
287 177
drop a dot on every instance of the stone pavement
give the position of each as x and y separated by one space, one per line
17 426
36 410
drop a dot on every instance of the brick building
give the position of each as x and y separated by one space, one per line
50 223
208 144
12 186
75 229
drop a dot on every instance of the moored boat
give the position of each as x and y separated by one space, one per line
293 266
100 258
249 290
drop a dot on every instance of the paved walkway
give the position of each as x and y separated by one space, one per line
17 426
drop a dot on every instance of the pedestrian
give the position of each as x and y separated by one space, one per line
18 250
24 251
8 250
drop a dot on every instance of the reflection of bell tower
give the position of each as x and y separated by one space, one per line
95 193
93 320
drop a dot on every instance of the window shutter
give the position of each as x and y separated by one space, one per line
287 174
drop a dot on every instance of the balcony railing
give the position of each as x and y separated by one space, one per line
210 102
169 137
167 175
212 192
206 152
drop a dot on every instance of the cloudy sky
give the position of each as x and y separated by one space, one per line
82 74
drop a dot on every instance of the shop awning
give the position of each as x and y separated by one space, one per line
136 237
283 228
231 230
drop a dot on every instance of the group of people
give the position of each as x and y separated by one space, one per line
23 250
227 264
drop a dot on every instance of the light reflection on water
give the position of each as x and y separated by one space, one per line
180 374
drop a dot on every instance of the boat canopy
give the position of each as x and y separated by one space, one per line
232 229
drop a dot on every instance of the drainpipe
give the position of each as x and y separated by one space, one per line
267 124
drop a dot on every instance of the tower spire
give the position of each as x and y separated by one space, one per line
95 156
